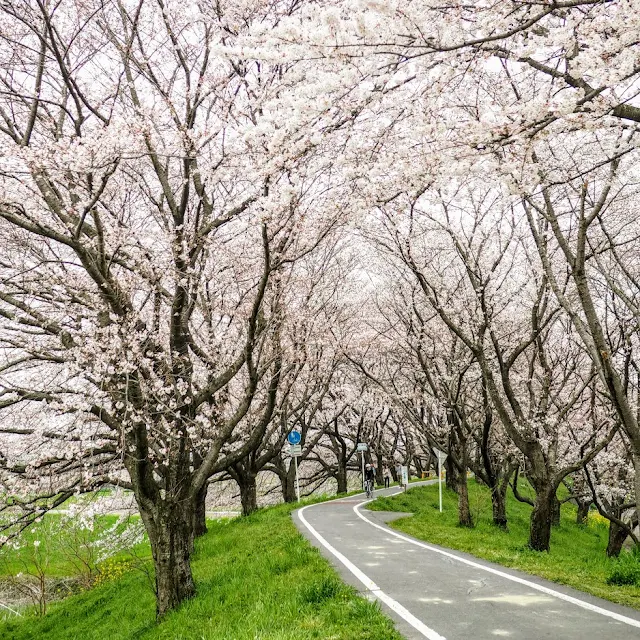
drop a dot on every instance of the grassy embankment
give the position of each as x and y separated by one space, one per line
61 550
257 578
577 556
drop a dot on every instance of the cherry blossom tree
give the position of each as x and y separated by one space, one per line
156 180
464 253
173 177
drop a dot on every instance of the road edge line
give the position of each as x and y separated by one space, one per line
371 586
552 592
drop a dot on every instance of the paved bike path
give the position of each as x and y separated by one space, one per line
439 594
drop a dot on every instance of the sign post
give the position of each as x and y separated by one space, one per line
295 461
362 447
296 450
294 438
404 473
442 456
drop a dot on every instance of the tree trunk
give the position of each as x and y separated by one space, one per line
341 478
555 511
380 464
636 466
540 525
200 513
288 484
170 530
499 504
248 493
451 475
464 512
617 537
394 472
583 511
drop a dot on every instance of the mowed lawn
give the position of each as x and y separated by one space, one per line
577 556
257 579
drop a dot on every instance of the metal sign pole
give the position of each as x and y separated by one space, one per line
295 458
440 481
442 456
362 447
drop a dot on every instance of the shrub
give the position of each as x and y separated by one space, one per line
626 570
78 543
326 589
112 569
596 520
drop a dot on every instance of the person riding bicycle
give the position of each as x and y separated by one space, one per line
369 478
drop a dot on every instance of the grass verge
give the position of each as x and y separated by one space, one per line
577 556
257 579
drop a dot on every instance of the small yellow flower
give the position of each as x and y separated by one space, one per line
595 519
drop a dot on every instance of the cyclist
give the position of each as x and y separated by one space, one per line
369 480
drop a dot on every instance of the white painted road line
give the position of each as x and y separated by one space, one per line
532 585
395 606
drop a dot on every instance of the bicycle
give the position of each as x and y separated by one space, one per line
368 487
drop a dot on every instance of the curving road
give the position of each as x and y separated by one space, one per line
432 592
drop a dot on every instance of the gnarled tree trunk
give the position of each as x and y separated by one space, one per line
170 529
541 517
464 512
499 504
636 466
341 478
427 464
248 493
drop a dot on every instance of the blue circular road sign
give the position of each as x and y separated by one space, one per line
294 437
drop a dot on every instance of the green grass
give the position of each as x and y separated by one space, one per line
257 579
57 545
577 556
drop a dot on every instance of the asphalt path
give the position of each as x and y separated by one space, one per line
433 592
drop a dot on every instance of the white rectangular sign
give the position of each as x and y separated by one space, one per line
405 475
295 450
362 446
